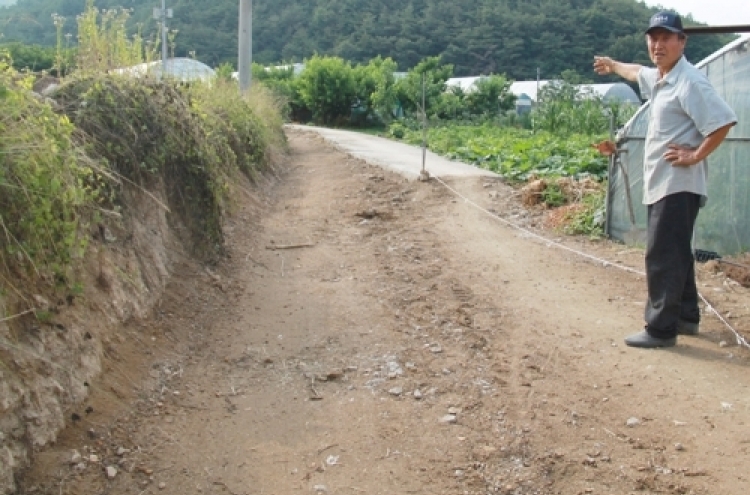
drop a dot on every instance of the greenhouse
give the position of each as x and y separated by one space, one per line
181 69
723 225
527 90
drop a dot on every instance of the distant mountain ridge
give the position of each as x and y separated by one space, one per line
515 37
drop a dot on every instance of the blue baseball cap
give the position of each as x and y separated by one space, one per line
665 20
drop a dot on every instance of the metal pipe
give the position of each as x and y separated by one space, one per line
164 37
245 55
717 29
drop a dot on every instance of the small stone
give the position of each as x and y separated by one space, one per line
448 419
162 485
42 303
394 369
633 422
111 472
679 447
76 457
436 349
93 458
454 410
121 451
418 394
396 391
320 488
723 344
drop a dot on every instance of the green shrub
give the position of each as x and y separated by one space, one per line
375 85
553 195
430 74
33 58
491 96
590 218
327 88
397 130
44 184
232 123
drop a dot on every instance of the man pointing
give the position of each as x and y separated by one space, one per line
688 122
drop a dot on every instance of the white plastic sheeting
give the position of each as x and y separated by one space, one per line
181 69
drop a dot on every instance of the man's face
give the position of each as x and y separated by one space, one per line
665 48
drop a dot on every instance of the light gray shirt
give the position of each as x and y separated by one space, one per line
685 109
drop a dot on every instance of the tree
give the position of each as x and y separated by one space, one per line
475 36
429 74
327 87
375 84
30 57
491 96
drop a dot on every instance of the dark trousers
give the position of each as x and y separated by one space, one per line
670 266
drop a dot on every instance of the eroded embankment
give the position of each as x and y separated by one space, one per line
106 184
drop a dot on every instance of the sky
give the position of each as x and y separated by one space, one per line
711 12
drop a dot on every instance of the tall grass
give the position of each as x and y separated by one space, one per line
66 160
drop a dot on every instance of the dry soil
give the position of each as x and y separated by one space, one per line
373 335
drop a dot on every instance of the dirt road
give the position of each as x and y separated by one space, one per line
373 335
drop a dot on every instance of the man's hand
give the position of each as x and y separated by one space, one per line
681 156
604 66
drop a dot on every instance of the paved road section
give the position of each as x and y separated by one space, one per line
398 157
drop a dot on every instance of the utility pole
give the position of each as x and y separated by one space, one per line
162 15
538 81
245 57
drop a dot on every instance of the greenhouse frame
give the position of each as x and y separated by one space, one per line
723 225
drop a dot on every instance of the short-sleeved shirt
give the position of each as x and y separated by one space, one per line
685 108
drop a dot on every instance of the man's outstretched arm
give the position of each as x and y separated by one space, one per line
605 66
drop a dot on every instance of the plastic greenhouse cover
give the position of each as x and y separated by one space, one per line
723 224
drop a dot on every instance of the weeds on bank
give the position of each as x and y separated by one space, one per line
66 159
44 184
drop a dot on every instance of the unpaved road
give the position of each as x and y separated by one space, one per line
372 335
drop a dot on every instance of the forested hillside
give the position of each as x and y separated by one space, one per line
477 36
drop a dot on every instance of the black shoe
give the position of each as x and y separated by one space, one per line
687 327
646 341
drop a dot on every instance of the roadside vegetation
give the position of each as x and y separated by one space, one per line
68 159
547 149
